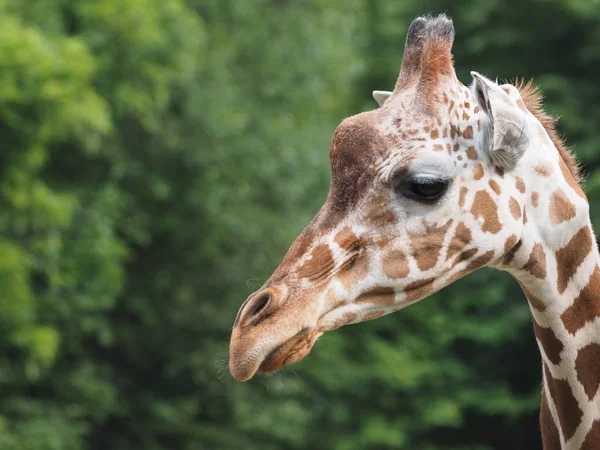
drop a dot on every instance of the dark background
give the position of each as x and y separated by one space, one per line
157 159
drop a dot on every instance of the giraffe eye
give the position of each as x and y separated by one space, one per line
424 190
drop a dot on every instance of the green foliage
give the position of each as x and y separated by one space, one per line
158 158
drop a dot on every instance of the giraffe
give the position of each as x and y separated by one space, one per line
441 180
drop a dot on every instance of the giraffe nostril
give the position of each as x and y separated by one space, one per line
259 304
255 308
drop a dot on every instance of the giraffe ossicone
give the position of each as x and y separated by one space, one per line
439 181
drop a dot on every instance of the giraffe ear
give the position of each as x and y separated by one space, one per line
381 96
506 134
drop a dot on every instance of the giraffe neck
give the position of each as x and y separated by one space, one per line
562 283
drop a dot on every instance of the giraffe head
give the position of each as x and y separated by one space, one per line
427 188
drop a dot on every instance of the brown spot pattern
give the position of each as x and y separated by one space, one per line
384 241
533 300
471 152
570 257
592 438
543 170
514 207
462 237
478 172
427 244
372 315
481 261
473 265
344 320
349 317
508 257
536 265
511 241
550 435
350 274
569 412
520 185
355 266
585 308
461 197
535 197
587 366
347 240
379 212
468 133
550 343
418 289
383 296
466 255
561 208
485 207
319 266
570 180
454 131
395 264
495 187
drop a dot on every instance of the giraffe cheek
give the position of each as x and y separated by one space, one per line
355 266
351 274
395 264
319 264
462 237
428 243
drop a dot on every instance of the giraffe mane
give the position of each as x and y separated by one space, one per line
532 97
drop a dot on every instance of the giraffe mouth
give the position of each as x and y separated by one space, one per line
291 351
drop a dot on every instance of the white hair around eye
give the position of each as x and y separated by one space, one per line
434 167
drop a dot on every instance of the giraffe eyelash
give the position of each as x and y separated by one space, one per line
422 189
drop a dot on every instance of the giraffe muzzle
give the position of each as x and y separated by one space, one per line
249 355
270 332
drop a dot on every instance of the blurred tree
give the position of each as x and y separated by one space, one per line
77 82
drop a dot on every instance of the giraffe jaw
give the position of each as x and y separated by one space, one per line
291 351
260 358
295 348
